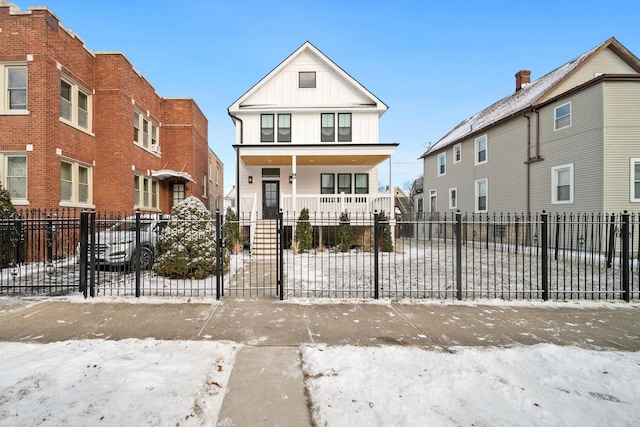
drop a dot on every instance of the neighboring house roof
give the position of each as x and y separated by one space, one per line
529 96
307 47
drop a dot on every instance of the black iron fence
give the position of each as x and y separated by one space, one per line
477 256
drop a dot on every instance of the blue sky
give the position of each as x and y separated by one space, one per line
433 63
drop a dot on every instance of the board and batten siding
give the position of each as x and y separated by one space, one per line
622 142
581 144
605 62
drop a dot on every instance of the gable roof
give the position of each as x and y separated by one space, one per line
307 47
529 96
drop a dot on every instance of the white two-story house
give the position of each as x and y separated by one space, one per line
307 137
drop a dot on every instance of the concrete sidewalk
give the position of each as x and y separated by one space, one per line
267 370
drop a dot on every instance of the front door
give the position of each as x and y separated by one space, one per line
270 199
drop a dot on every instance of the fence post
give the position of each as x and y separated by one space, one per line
137 253
545 268
459 255
84 240
92 247
624 234
219 262
612 241
376 279
280 237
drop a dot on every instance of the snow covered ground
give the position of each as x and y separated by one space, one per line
182 383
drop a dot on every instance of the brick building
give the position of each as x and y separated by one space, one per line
85 129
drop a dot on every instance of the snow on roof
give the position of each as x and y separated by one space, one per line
518 101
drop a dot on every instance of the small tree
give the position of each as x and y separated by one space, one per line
8 214
345 235
304 232
187 245
385 242
231 232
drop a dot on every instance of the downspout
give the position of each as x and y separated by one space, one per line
528 163
234 118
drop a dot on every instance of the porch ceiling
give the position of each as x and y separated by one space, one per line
314 160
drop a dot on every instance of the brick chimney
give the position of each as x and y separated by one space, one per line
523 78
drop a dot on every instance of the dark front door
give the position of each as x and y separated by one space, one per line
270 197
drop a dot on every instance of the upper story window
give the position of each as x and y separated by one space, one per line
481 150
284 127
75 183
344 127
562 116
145 132
562 184
328 128
13 88
75 105
204 186
266 128
457 153
442 164
307 79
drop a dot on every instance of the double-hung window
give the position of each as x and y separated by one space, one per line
327 183
482 193
145 132
481 150
75 105
362 183
284 127
266 128
145 192
328 128
562 184
634 179
457 153
344 183
562 116
453 198
75 183
13 88
14 176
344 127
442 164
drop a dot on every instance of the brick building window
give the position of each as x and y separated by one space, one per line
178 193
14 176
145 192
145 132
75 183
13 87
75 105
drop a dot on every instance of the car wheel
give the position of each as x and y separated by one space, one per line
146 259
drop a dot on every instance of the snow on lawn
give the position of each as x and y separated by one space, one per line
113 383
542 385
147 382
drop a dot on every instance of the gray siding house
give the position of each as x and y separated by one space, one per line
567 142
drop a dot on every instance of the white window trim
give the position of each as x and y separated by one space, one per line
486 149
433 194
632 163
477 194
5 171
555 119
141 205
554 184
152 148
75 174
4 85
75 88
451 200
459 148
442 161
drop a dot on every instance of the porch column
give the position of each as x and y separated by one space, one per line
293 184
